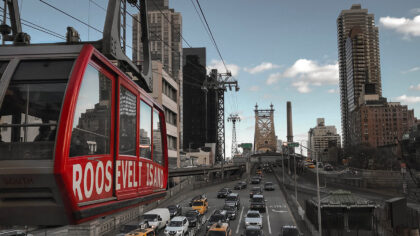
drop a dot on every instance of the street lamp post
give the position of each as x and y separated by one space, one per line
317 189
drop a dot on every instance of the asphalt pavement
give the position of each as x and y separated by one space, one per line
277 213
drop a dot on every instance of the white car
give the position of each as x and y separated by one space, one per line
178 226
253 218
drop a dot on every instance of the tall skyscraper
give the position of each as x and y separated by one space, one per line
164 35
359 61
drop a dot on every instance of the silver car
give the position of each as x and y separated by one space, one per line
253 218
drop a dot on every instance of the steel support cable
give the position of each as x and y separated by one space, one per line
39 28
69 15
211 34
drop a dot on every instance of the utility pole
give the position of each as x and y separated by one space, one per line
234 118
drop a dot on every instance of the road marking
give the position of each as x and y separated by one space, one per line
268 220
279 211
240 219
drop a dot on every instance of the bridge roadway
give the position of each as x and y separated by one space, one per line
277 214
180 172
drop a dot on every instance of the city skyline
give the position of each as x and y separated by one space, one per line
272 70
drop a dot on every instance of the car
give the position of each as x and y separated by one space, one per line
269 186
240 185
328 167
126 228
157 218
142 232
198 197
253 231
194 218
255 190
253 218
289 230
219 216
178 226
233 200
223 192
175 210
255 180
219 229
257 203
200 205
232 211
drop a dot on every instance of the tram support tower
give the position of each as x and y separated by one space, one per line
265 136
234 118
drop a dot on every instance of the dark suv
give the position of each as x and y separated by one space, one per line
255 190
218 216
233 200
223 192
258 203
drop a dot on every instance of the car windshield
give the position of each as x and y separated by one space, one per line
150 217
223 190
191 214
175 224
256 189
216 218
216 233
229 208
127 228
198 203
252 232
253 215
172 208
257 199
231 198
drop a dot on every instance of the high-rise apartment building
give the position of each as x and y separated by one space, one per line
321 138
166 92
164 36
359 61
200 114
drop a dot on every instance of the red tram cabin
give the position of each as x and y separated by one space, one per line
78 138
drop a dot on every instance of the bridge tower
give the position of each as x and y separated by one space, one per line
265 139
234 118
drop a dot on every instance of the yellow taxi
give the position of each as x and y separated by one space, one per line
220 229
142 232
201 205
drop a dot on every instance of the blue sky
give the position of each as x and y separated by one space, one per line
294 43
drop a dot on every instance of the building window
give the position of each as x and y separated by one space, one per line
172 142
170 116
169 91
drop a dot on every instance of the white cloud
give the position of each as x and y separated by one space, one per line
254 88
301 86
261 67
411 70
332 90
415 87
273 78
216 64
407 27
408 99
415 10
307 73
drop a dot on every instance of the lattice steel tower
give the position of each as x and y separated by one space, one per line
234 118
220 82
265 137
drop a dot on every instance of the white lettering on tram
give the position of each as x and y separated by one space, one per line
128 175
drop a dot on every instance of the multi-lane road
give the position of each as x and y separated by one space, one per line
277 213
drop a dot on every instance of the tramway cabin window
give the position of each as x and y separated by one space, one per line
92 117
157 139
145 130
31 108
128 122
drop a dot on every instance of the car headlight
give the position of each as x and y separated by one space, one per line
179 231
247 223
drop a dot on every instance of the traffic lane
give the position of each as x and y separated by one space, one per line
277 213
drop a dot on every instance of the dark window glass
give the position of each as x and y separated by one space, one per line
157 139
145 130
3 66
92 118
128 111
31 108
